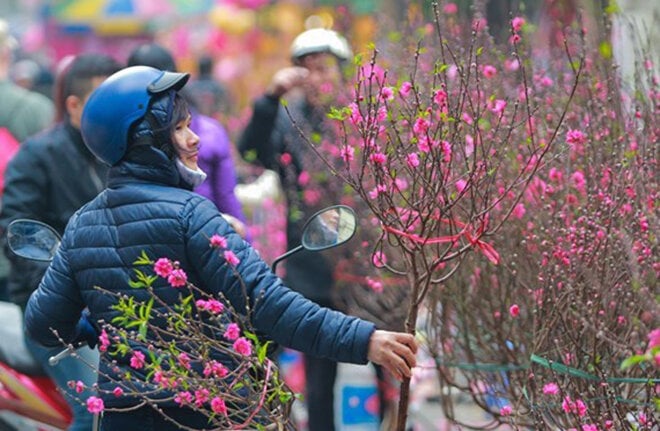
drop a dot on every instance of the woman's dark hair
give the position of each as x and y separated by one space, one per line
154 129
180 111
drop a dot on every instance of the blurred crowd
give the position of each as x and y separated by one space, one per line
254 163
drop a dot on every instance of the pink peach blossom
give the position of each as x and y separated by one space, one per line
517 23
201 397
183 398
303 178
387 93
231 258
519 210
450 8
654 338
375 285
212 305
550 388
405 88
421 126
347 153
218 241
440 97
216 369
104 341
218 406
95 405
177 278
232 332
163 267
379 259
285 159
489 71
576 137
137 360
184 360
378 158
243 346
413 160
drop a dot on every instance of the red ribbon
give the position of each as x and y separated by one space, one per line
485 248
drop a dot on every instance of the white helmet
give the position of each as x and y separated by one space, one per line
318 40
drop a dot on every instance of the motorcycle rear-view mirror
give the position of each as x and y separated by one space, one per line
328 228
32 239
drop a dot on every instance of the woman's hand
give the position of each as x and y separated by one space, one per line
395 351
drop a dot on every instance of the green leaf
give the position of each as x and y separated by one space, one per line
134 284
143 259
142 331
250 156
605 50
262 351
392 37
612 8
633 360
339 114
251 336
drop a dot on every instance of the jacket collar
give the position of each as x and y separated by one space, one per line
145 164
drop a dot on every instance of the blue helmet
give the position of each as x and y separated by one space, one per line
118 103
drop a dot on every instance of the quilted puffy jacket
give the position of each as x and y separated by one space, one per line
145 209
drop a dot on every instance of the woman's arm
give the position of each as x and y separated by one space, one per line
55 305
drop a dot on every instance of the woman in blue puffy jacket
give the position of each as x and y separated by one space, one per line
137 123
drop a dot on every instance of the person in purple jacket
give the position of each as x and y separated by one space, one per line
215 157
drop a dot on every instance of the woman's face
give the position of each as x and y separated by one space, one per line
186 143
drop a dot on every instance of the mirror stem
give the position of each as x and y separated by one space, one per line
273 266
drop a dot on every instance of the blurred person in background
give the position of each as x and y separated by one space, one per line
25 72
215 156
271 140
22 113
210 96
51 176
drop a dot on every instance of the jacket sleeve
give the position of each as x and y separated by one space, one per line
256 142
25 185
282 314
55 305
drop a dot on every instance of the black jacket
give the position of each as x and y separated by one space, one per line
269 134
51 176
